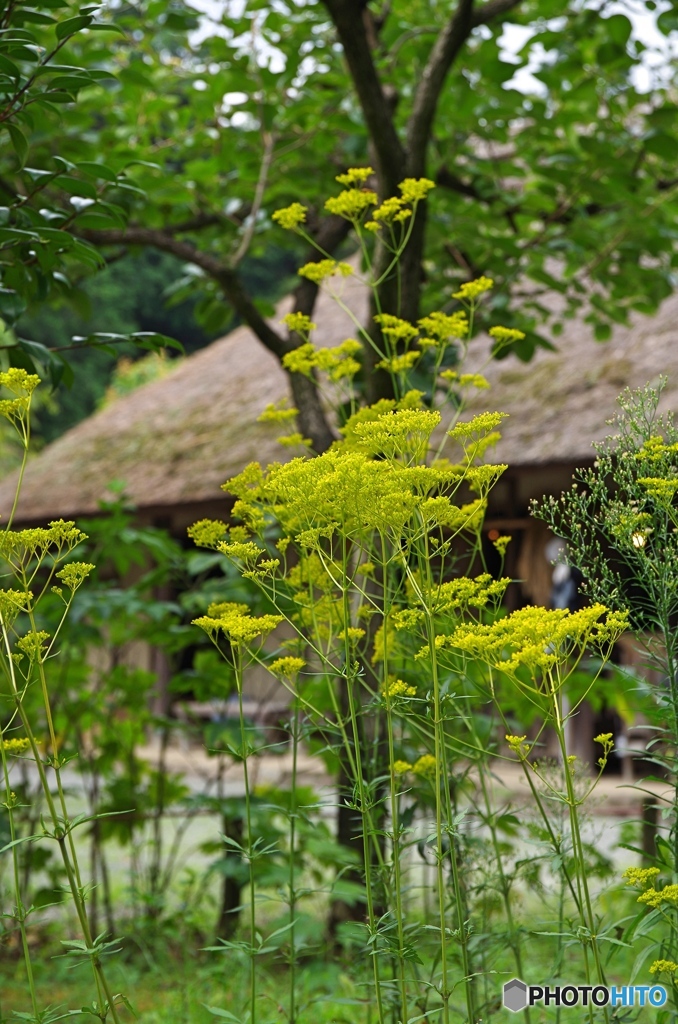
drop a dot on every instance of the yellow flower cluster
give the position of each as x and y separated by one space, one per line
11 603
397 688
501 544
425 766
354 176
401 363
478 434
320 270
506 335
663 967
207 533
294 439
669 894
415 190
235 622
463 593
75 573
470 290
655 449
245 551
280 412
401 767
33 644
440 327
518 745
394 328
352 633
16 747
640 876
298 322
538 638
391 211
351 203
662 489
291 216
405 432
20 546
338 362
288 667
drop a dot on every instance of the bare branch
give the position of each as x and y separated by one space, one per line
248 235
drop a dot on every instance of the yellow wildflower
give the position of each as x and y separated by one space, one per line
352 203
414 190
442 326
506 335
278 413
18 381
397 688
401 767
400 364
663 967
298 322
291 216
395 329
353 634
640 876
207 533
16 747
470 290
354 176
288 667
75 573
669 894
294 439
425 766
501 543
320 270
33 643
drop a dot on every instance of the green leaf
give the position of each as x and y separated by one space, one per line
12 305
72 25
19 142
107 26
222 1014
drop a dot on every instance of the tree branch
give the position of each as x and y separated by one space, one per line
442 56
348 19
225 277
491 10
312 420
248 234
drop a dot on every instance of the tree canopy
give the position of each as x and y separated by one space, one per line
184 134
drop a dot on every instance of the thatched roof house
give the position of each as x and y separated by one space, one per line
175 440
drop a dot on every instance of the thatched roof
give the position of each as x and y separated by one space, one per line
559 403
175 440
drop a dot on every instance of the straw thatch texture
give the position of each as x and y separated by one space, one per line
559 403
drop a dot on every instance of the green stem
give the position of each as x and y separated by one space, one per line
244 752
292 883
21 913
362 793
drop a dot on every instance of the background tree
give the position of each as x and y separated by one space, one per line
563 187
